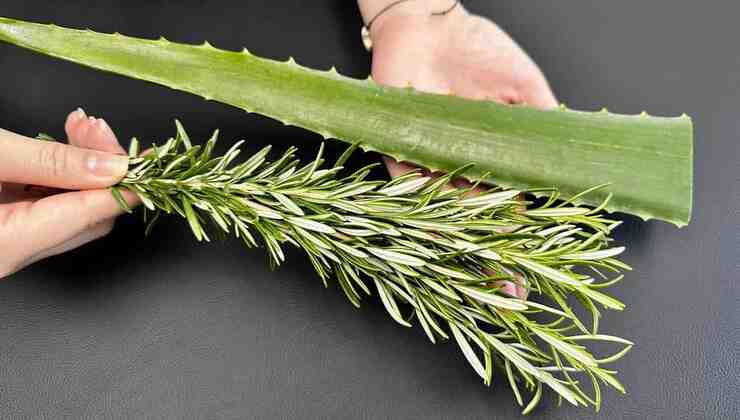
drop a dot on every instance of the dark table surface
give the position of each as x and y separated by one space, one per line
167 328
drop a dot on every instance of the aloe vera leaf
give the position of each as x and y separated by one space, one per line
646 160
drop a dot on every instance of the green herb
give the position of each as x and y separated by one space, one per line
646 160
434 255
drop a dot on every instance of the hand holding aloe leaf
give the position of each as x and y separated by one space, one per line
647 161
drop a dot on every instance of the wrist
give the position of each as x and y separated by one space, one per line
378 13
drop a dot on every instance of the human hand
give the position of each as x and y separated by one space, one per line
40 214
457 53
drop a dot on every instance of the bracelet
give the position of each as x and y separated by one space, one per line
365 33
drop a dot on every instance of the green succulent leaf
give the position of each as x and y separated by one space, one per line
645 160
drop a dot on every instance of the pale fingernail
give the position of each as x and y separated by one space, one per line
107 165
77 115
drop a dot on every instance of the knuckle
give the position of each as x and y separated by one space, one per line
54 159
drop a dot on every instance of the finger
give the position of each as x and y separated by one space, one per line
28 161
52 221
91 133
507 287
462 183
94 233
538 94
396 168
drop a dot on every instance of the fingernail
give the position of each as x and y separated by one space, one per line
77 114
107 165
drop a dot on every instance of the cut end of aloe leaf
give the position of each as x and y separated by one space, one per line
647 161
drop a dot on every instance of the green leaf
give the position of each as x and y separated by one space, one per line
601 337
120 200
406 187
390 304
468 351
313 225
647 161
288 203
557 212
512 382
193 220
397 257
182 135
616 356
145 199
133 148
595 255
535 400
493 299
525 366
45 137
549 272
575 352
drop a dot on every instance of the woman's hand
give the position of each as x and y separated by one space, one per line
40 215
452 54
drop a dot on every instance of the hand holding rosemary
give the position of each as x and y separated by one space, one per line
427 251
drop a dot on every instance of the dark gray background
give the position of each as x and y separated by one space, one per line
166 328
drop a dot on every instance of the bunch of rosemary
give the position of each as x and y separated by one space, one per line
434 254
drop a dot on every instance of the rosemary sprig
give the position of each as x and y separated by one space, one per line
434 254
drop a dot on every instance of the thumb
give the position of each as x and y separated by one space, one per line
28 161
